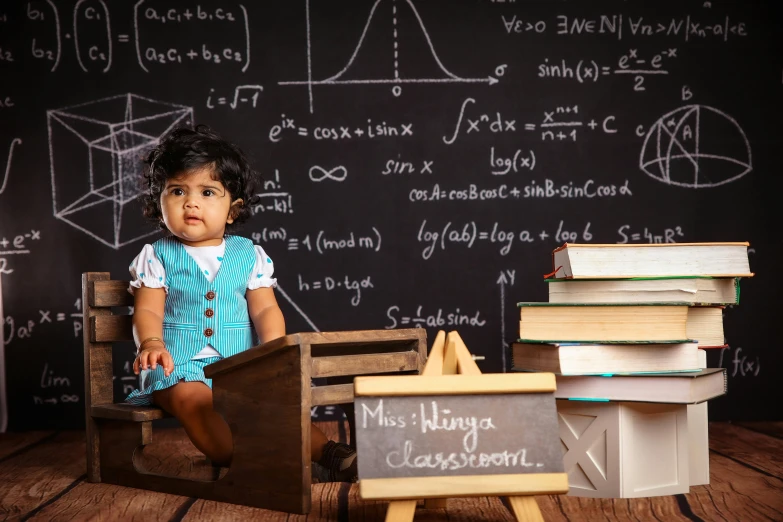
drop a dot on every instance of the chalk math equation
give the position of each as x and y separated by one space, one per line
560 123
686 28
99 30
322 242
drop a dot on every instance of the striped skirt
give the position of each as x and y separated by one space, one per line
154 380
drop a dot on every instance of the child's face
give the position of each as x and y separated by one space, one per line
196 208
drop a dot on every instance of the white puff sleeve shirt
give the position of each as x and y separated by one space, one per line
147 270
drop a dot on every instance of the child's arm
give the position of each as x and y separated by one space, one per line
148 311
265 314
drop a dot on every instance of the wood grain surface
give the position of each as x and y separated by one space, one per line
43 478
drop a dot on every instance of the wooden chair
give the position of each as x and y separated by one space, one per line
264 394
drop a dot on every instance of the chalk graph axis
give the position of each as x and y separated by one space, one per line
395 79
95 153
696 146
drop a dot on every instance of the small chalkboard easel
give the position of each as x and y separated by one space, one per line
451 371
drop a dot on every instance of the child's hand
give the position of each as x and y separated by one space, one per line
151 358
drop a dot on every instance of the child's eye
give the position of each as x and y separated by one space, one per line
177 191
208 192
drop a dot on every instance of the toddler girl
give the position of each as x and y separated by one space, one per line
200 293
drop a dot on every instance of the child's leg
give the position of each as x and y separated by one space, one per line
317 442
191 404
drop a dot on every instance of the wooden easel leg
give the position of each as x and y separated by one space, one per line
436 503
525 508
400 511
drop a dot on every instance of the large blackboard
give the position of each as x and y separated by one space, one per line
422 159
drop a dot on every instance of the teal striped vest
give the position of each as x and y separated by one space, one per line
198 312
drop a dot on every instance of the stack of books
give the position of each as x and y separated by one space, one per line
625 331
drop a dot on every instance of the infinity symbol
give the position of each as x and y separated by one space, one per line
319 173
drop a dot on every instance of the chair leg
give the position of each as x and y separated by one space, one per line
118 441
93 451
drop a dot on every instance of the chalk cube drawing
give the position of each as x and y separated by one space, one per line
95 153
624 449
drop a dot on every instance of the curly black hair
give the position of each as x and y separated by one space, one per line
185 149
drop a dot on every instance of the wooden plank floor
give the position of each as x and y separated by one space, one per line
42 477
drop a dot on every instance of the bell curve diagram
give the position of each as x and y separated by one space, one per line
393 8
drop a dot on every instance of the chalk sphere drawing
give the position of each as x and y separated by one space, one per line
696 146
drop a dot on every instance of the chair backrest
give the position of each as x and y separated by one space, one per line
102 328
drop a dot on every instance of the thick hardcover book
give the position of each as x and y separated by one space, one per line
602 323
705 325
586 359
598 261
675 388
691 289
